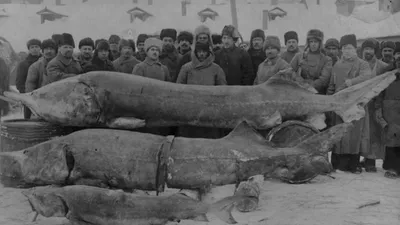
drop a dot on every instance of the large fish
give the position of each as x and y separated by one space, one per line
123 101
132 160
92 205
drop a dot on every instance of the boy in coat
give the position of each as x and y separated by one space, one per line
126 62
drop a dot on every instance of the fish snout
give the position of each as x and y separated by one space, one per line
46 201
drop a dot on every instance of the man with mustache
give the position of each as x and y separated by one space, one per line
63 65
113 41
217 42
141 53
292 46
256 52
273 62
185 40
101 58
169 54
86 47
126 62
332 49
387 51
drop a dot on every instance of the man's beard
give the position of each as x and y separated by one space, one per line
291 49
87 56
185 46
257 46
388 56
49 55
368 56
168 48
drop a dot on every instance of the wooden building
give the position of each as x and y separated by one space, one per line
47 14
139 14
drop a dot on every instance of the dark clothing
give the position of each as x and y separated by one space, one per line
257 57
60 68
186 58
236 64
141 55
98 65
4 85
125 65
171 60
345 162
288 56
22 71
392 159
183 52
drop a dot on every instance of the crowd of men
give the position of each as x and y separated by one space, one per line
203 58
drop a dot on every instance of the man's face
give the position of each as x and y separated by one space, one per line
332 51
314 44
34 50
126 51
202 38
114 48
397 60
227 41
86 51
140 46
292 45
368 53
387 53
103 54
184 44
66 51
168 40
49 53
271 52
202 55
257 43
153 53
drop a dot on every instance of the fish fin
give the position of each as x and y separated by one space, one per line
201 218
223 208
323 142
317 120
354 98
290 78
23 98
245 131
126 123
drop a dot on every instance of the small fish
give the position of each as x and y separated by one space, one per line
93 205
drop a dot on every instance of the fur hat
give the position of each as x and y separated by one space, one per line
230 31
388 44
216 38
141 38
57 38
332 42
34 42
272 41
257 33
202 46
98 41
130 43
349 39
397 48
202 29
114 39
291 35
86 42
49 43
67 40
169 32
103 45
185 35
371 43
317 34
152 42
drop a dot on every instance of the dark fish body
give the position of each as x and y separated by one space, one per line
131 160
117 100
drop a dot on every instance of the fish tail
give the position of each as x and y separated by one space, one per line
353 99
223 208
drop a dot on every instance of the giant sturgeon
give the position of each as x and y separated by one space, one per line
132 160
123 101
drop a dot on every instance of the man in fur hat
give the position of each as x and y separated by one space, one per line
312 64
348 71
169 54
86 47
217 42
63 65
185 40
332 49
141 53
34 47
126 62
235 61
113 41
256 51
101 58
292 46
387 51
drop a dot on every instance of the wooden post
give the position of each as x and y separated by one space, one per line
234 14
265 20
183 3
318 2
150 2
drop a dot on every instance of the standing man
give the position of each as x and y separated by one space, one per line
4 86
34 47
217 42
141 53
292 46
185 40
256 51
169 54
113 42
312 64
86 47
387 52
126 62
63 65
332 49
235 61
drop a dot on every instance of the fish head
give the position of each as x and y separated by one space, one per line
298 169
47 201
42 164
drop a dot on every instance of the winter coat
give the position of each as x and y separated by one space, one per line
183 52
141 55
83 62
99 65
315 68
201 73
269 68
356 71
60 68
171 60
36 75
4 84
22 71
236 64
152 69
288 56
257 57
125 65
